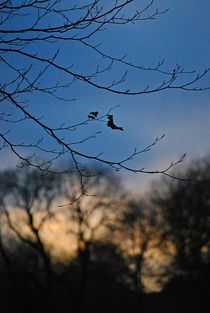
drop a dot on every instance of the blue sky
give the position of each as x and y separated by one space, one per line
182 35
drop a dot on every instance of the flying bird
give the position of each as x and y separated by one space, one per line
111 123
93 115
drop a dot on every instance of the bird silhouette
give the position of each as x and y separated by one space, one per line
93 115
111 123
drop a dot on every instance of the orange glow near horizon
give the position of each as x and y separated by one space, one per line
59 236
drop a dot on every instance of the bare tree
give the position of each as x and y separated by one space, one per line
138 235
29 204
35 36
89 218
26 206
186 216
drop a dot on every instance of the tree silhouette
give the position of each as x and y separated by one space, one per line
29 204
89 217
26 195
35 37
139 235
186 214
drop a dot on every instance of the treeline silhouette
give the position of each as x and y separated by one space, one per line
106 252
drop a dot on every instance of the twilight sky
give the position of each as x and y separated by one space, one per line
180 36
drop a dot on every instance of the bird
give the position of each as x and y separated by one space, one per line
111 123
93 115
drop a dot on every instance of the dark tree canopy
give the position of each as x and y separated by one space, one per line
116 241
186 215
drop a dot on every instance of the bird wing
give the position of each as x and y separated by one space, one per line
110 118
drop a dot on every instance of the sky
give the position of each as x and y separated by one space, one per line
180 36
